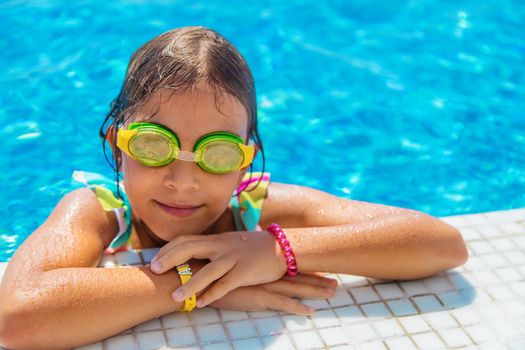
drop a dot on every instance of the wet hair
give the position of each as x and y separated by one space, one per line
178 60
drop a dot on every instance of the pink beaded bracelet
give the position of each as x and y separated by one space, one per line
278 233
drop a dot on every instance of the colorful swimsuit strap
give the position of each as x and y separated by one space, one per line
247 206
105 189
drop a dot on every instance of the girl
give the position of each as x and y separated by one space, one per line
183 132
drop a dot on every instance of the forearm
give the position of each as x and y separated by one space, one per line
391 247
69 307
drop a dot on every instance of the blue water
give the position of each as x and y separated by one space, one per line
418 104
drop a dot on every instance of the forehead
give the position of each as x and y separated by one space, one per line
195 112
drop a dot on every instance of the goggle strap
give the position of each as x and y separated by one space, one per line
188 156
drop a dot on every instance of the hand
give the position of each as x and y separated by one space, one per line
238 259
279 295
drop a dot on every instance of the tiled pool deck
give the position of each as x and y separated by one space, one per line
480 305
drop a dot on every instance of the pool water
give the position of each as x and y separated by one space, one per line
418 104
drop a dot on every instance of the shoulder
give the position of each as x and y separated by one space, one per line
302 206
74 234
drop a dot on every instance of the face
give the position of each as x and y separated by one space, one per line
153 190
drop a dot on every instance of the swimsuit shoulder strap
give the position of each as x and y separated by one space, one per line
105 189
247 205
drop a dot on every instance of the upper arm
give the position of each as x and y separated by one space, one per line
300 206
74 235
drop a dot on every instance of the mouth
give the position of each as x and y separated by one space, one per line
179 210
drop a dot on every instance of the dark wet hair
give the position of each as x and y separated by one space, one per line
178 60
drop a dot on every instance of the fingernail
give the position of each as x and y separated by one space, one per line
310 310
155 266
200 303
177 295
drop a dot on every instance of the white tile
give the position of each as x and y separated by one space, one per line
341 298
508 274
351 281
502 245
373 345
481 247
364 295
513 307
516 344
504 329
232 315
151 340
389 291
414 324
486 277
121 342
440 320
181 337
428 341
413 287
500 292
489 311
175 320
427 303
152 324
269 326
361 332
455 220
402 307
148 254
470 234
519 241
241 329
307 340
461 281
349 314
248 344
476 263
278 342
477 219
211 333
297 323
455 337
493 345
130 257
518 288
205 315
497 259
333 336
511 228
516 257
388 328
403 343
325 318
480 333
489 231
466 316
375 310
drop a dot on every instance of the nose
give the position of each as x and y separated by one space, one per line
182 176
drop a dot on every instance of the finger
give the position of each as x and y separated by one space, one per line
182 253
313 279
174 243
278 302
219 289
300 290
206 275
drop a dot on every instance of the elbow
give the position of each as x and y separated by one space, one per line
17 327
453 251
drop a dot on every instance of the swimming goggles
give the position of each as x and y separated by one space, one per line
155 145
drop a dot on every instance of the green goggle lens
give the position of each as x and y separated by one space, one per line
151 148
221 157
